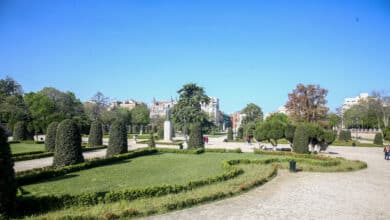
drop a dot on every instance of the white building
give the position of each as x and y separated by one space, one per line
128 104
212 109
159 108
349 102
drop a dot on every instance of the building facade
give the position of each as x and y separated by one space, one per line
159 108
128 104
212 109
349 102
236 119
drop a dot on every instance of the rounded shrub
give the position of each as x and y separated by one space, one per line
117 143
95 137
301 140
378 140
51 133
20 131
230 134
68 149
151 142
7 178
196 137
345 136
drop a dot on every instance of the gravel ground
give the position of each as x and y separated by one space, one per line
363 194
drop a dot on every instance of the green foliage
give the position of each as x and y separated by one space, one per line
345 135
20 131
253 114
250 128
240 133
160 133
51 133
334 120
117 143
196 137
151 142
95 137
140 115
301 139
378 140
289 132
68 144
7 178
230 134
272 129
386 133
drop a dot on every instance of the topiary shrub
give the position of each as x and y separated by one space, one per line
386 133
68 149
151 142
7 178
51 133
95 137
378 140
328 137
240 133
301 140
196 137
230 134
345 136
20 131
117 144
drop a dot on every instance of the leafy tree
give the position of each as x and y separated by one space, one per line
98 105
250 129
151 142
9 87
334 120
345 135
188 111
378 139
7 178
196 137
51 133
272 129
68 149
301 139
240 133
253 113
230 134
20 131
140 116
380 104
117 143
95 137
361 115
289 132
307 103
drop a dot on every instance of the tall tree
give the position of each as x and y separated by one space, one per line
380 103
98 105
307 103
253 113
140 116
188 110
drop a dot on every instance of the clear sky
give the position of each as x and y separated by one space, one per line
240 51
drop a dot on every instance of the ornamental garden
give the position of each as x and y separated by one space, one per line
148 180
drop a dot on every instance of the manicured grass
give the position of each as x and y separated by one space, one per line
24 147
143 171
358 144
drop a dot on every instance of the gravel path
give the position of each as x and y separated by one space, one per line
363 194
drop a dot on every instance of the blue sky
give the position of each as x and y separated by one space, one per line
240 51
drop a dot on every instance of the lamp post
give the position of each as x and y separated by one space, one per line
356 121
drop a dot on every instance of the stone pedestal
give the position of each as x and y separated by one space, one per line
168 131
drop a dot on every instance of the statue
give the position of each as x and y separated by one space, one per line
168 127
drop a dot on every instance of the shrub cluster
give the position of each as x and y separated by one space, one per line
301 139
7 178
230 134
345 136
117 144
378 140
51 133
20 131
196 137
68 144
95 137
218 150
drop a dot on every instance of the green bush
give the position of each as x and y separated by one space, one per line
7 178
50 141
289 133
378 140
345 136
20 131
386 133
240 133
230 134
160 133
117 143
301 139
68 144
151 142
95 137
196 137
181 151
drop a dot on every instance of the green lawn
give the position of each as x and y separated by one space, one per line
23 147
143 171
349 143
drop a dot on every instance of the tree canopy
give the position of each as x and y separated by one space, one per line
253 113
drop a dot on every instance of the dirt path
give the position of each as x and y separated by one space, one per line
362 194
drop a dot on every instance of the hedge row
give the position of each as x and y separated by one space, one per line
26 142
218 150
181 151
291 154
38 204
38 174
27 153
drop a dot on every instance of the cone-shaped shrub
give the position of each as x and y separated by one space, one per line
95 137
7 178
51 133
230 134
20 131
68 144
196 137
151 142
117 144
378 140
301 140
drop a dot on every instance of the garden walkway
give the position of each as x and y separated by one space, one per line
363 194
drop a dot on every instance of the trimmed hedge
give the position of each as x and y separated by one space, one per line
51 133
378 139
181 151
218 150
301 139
20 131
117 144
196 137
68 144
151 142
345 136
230 134
7 178
95 137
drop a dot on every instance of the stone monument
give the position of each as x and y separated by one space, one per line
168 127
